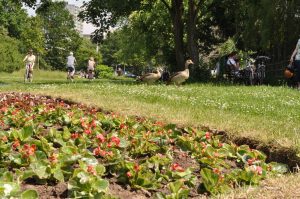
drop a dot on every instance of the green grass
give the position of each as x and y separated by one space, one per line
262 112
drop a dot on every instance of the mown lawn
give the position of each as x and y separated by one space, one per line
262 112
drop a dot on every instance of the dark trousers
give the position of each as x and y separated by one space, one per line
297 70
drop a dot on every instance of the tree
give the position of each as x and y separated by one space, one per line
10 57
87 49
107 14
60 34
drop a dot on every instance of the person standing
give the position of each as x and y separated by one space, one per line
296 59
29 64
71 61
91 68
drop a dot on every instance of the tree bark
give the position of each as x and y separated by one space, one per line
192 46
176 10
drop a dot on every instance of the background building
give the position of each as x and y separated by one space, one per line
74 11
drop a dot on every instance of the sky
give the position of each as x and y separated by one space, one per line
87 28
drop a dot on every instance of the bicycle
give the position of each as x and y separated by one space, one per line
28 73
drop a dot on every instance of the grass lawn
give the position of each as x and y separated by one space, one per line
262 112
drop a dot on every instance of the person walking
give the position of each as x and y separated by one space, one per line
29 64
295 58
91 68
71 61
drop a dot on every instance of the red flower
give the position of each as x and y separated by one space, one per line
207 135
136 167
176 167
129 175
101 138
29 150
93 124
91 170
99 152
16 144
88 131
4 139
123 126
251 160
116 140
220 144
216 171
74 136
109 145
53 158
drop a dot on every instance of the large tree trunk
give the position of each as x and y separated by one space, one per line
177 19
192 46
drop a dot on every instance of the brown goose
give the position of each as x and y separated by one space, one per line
150 78
181 76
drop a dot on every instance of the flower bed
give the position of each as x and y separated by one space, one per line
51 148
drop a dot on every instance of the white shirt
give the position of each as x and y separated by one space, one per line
231 61
30 60
298 52
70 61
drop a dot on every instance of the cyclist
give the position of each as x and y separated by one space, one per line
296 59
91 68
71 66
29 60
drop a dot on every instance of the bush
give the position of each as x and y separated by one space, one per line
10 57
104 71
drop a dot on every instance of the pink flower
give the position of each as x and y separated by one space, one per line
101 138
259 170
129 175
207 135
91 170
99 152
87 131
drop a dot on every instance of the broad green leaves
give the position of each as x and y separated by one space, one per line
83 148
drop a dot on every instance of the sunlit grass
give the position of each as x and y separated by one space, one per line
262 112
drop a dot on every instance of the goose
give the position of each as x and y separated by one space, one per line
181 76
150 78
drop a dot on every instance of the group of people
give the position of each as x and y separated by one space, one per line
232 62
71 62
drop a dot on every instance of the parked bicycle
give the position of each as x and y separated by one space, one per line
254 73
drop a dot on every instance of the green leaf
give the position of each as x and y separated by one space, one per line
66 134
100 185
29 194
27 132
39 169
58 174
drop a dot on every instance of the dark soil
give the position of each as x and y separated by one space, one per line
47 191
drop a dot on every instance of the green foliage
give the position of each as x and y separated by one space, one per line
60 34
10 58
104 71
86 50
